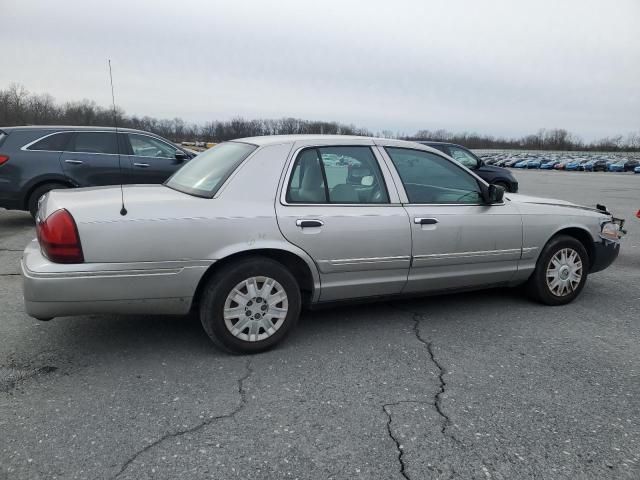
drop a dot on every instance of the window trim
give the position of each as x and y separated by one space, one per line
25 148
403 190
289 177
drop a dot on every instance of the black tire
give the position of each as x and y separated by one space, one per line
537 286
223 282
40 190
504 185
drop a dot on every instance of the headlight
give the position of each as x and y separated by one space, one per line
611 231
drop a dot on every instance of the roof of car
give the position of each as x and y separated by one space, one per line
70 127
276 139
433 142
279 139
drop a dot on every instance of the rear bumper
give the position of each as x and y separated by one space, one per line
604 254
52 290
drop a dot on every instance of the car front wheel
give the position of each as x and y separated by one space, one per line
561 271
250 305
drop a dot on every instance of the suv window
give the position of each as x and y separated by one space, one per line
429 178
145 146
462 156
54 143
337 175
94 142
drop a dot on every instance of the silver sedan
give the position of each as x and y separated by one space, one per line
252 230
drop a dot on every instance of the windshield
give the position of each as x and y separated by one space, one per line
204 175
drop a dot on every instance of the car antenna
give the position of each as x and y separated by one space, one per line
123 210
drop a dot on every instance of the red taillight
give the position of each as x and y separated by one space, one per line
59 239
638 214
3 159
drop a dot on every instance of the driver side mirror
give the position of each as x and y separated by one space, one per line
493 194
181 156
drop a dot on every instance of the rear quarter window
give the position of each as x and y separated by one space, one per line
56 142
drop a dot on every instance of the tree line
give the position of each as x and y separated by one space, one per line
20 107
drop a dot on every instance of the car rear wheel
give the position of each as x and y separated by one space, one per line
39 191
560 273
250 305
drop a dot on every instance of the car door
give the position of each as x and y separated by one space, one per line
152 160
458 240
357 232
92 158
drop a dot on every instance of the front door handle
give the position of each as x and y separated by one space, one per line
425 221
141 165
74 162
302 223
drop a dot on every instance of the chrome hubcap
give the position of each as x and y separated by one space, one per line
255 309
564 272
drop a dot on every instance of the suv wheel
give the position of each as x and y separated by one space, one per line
561 271
32 202
251 305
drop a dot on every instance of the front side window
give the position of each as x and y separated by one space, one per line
463 157
429 178
340 175
94 142
206 173
53 143
144 146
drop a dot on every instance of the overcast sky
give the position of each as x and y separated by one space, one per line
495 67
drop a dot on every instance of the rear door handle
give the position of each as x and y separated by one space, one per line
141 165
74 162
302 223
425 221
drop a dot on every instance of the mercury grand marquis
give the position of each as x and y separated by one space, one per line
252 230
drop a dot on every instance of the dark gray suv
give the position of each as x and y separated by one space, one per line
34 160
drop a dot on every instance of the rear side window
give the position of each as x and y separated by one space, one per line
206 173
53 143
341 175
94 142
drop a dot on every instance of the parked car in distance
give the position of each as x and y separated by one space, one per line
549 164
37 159
534 163
511 162
521 164
489 173
598 165
637 169
213 239
561 165
624 165
576 165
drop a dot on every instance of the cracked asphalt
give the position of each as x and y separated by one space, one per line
483 385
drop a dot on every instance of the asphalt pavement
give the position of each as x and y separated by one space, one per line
484 385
